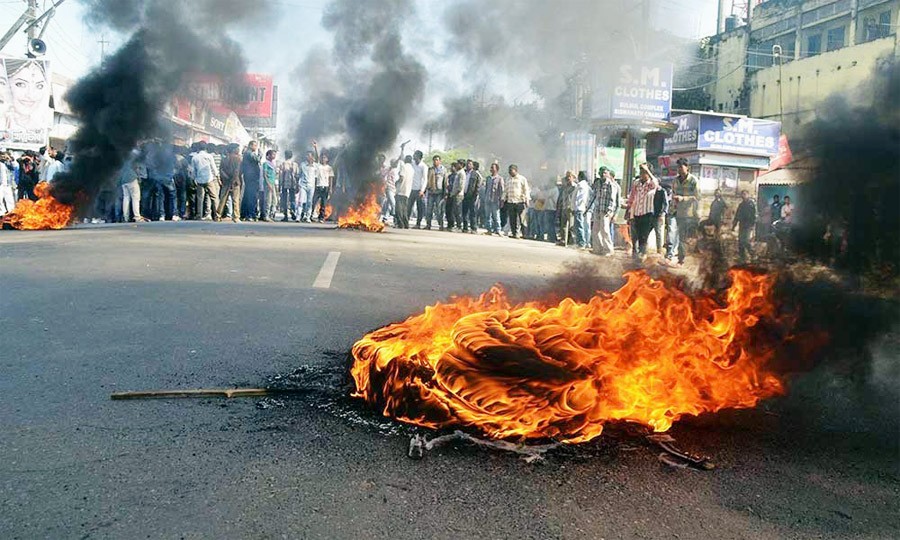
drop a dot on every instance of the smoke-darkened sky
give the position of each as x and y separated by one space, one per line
286 36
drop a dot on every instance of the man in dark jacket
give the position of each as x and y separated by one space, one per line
232 182
744 219
250 171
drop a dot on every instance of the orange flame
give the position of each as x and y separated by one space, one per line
329 210
647 353
45 213
365 217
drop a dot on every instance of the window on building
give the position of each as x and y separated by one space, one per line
884 24
814 45
835 39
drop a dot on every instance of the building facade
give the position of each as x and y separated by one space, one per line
793 54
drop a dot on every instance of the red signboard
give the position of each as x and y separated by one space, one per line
253 99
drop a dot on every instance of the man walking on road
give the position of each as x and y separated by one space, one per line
744 220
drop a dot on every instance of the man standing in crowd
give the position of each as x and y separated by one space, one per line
454 196
289 183
326 173
474 181
787 211
419 183
661 212
493 195
640 209
744 220
250 173
389 183
516 195
564 204
205 174
437 179
322 185
686 197
161 172
404 188
309 179
50 166
131 190
606 202
548 215
7 183
232 182
270 187
184 178
774 210
580 202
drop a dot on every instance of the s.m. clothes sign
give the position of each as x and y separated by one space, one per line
727 134
737 135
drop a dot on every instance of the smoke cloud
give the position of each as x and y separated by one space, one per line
365 88
119 104
568 55
855 187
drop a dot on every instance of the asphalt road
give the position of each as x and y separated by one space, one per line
97 309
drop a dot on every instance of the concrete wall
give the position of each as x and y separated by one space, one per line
808 82
730 55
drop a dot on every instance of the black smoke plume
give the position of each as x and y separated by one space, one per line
365 89
853 198
120 103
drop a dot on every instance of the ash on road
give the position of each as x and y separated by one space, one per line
93 310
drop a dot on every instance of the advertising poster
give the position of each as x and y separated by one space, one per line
729 178
25 113
710 177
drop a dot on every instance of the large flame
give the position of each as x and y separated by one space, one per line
647 353
45 213
366 216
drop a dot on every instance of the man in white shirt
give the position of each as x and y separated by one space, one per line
419 183
309 179
7 187
205 174
324 183
404 188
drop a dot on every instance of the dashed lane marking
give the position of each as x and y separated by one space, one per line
323 280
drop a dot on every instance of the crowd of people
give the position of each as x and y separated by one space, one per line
214 182
161 181
589 214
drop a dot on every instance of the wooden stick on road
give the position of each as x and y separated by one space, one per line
197 393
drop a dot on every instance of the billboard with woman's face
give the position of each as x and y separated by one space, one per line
25 113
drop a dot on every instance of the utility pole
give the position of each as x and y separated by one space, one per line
32 15
103 43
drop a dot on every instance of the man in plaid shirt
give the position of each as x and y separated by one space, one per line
607 200
640 208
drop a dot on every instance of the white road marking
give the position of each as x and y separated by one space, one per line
323 280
